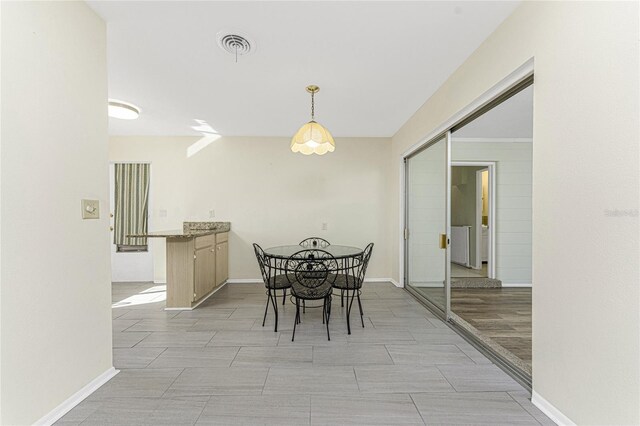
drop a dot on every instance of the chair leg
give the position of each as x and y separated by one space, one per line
295 321
360 306
265 311
349 306
324 315
304 307
284 296
274 302
342 298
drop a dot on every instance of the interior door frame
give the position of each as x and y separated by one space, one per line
405 223
491 165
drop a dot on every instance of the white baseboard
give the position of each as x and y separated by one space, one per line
516 284
75 399
381 280
549 410
160 281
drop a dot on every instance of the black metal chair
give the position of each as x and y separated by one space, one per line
274 278
314 243
350 279
313 273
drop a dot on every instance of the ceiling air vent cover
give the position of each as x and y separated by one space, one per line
235 43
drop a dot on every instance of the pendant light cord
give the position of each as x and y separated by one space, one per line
312 106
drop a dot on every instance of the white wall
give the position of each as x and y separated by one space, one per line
585 194
513 202
56 300
269 194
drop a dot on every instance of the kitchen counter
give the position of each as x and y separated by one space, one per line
179 233
197 261
189 230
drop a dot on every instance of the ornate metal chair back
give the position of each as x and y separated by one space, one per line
312 268
314 243
269 266
364 262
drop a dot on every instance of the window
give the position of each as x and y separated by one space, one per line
131 206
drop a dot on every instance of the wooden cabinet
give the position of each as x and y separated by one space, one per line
205 271
222 262
195 267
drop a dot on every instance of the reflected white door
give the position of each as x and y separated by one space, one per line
427 216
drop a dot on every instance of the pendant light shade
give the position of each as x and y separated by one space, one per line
312 138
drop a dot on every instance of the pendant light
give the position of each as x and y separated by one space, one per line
312 138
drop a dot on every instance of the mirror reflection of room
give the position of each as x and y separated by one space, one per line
491 212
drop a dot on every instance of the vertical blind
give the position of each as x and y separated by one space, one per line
131 203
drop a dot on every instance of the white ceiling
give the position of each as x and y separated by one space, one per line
375 62
511 119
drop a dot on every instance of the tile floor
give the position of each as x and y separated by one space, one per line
218 365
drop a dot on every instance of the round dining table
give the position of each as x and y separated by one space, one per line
338 252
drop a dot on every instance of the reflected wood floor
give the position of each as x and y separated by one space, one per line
218 365
502 314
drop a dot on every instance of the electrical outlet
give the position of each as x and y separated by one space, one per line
162 213
212 214
324 226
90 209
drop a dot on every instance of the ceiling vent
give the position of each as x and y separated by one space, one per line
235 43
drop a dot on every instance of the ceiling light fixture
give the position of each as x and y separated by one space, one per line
313 138
123 110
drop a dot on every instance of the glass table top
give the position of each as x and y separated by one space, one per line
334 250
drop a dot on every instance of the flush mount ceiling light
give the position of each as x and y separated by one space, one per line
313 138
123 110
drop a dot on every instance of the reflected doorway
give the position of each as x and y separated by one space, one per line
472 224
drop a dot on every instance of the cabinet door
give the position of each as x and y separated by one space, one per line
222 262
205 263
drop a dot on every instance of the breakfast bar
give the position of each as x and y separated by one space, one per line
197 262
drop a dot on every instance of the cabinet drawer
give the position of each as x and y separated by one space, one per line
224 236
206 240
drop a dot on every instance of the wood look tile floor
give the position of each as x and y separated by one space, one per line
218 365
501 314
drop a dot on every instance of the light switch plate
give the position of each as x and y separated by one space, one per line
90 209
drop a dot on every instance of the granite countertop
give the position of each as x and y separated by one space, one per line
189 230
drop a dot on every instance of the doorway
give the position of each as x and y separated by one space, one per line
473 196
